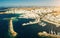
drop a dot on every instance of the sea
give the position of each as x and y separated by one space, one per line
28 31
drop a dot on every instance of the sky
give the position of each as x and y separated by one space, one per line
29 3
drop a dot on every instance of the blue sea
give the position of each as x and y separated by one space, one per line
28 31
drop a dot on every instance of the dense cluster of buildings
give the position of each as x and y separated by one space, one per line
36 13
51 15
